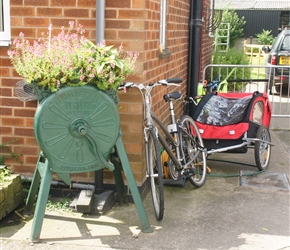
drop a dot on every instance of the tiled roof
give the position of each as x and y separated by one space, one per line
253 4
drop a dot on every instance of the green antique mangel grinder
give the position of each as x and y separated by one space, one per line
76 129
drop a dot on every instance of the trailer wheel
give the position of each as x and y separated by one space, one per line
262 149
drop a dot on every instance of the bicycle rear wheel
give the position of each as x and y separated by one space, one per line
155 174
191 145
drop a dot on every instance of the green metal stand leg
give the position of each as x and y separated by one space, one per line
133 186
32 191
38 172
46 174
115 159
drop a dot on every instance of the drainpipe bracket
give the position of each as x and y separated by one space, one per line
196 22
165 53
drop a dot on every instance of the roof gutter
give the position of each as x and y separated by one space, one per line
195 24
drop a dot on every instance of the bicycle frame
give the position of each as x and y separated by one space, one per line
149 125
174 139
176 160
175 142
180 139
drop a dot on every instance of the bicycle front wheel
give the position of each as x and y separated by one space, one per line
192 152
263 149
155 174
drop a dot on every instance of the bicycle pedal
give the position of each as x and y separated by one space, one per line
189 172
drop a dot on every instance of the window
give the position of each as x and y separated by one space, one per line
286 43
162 36
5 34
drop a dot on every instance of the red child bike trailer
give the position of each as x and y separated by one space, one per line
231 122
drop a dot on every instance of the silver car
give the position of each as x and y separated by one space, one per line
279 54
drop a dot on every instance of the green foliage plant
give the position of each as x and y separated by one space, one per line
236 26
265 37
6 171
3 173
70 59
4 148
234 57
59 204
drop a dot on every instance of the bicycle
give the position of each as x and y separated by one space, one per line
181 140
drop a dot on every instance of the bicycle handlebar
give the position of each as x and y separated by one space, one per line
169 81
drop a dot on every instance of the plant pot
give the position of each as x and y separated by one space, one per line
42 93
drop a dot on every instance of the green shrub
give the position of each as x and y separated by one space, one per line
62 204
255 50
2 160
6 149
265 37
236 26
236 57
4 172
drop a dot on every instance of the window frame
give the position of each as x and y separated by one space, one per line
5 35
163 50
162 35
285 43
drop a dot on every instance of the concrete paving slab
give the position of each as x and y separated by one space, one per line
220 215
284 137
269 180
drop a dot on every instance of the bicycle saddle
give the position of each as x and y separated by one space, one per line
172 96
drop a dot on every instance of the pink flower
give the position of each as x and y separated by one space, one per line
18 45
71 24
11 53
103 43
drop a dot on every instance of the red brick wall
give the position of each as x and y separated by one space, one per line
135 23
